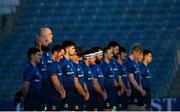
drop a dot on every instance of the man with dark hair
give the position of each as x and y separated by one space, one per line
68 74
100 94
110 82
114 47
123 76
32 91
55 89
146 77
88 59
134 77
81 94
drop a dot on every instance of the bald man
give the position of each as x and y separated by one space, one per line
47 33
43 40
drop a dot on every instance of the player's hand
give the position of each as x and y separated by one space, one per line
143 93
128 92
105 96
119 93
122 91
63 94
86 97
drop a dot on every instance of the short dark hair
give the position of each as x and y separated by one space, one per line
137 48
105 49
56 47
96 49
79 51
68 43
146 52
89 51
32 51
113 44
122 49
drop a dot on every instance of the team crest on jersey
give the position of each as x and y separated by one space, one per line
42 62
59 67
78 69
68 66
37 73
89 72
148 71
110 69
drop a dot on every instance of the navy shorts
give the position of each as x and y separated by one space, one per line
68 101
135 98
147 98
122 102
112 99
99 102
55 105
78 102
34 102
89 105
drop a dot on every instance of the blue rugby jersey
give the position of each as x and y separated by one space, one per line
54 68
32 74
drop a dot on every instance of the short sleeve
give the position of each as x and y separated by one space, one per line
52 69
75 70
120 70
94 71
28 74
130 67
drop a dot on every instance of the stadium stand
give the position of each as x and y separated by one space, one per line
153 24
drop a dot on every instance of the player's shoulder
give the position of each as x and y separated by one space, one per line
113 61
29 66
141 65
53 64
30 69
128 61
63 61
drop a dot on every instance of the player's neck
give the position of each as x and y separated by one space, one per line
39 47
106 60
54 59
67 56
86 62
145 62
33 63
131 57
120 61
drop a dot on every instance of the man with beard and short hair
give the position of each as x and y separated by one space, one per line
43 41
110 82
68 74
88 59
100 94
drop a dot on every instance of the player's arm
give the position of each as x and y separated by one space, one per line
56 83
97 87
121 84
86 91
135 84
115 83
25 89
79 88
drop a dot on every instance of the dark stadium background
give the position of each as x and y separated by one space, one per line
155 24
